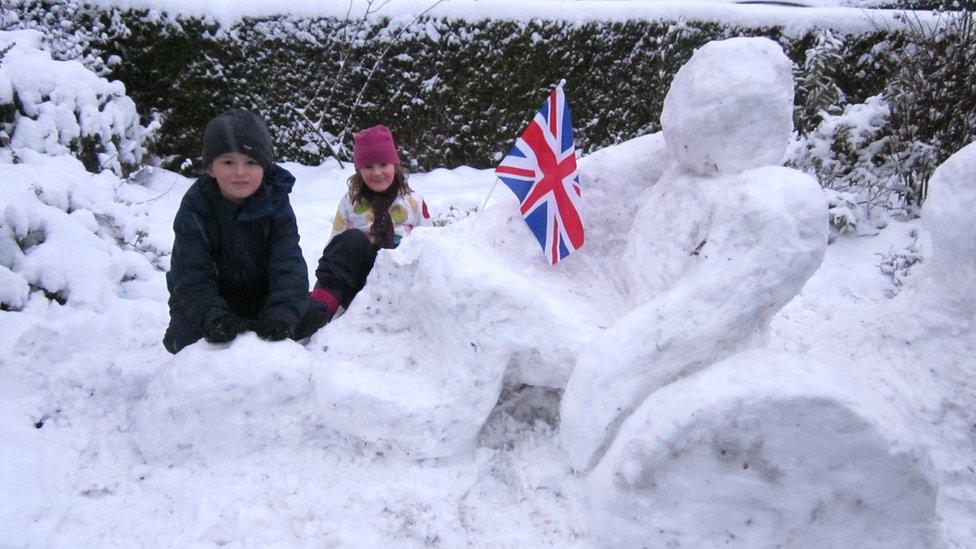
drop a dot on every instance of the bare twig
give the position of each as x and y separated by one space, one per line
379 61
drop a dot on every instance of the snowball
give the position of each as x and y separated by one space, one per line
730 107
948 215
717 258
766 449
225 401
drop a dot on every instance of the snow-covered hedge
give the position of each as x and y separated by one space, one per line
61 107
456 91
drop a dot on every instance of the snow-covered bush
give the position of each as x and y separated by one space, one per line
817 88
855 158
78 238
932 95
897 264
61 107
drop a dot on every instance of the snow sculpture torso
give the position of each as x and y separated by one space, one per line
723 242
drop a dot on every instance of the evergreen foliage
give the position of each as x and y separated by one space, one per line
932 96
456 92
816 83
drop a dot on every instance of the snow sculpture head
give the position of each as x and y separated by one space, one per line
730 107
948 215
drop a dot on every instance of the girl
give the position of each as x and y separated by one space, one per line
236 263
379 209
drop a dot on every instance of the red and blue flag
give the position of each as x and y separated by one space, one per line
541 170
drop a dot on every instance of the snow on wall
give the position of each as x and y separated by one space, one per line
793 20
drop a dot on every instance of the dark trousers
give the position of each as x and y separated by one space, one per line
346 262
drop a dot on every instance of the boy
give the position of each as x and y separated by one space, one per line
236 262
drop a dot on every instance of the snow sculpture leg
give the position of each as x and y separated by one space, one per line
948 214
768 450
721 245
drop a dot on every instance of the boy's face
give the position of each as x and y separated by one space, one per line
378 177
238 176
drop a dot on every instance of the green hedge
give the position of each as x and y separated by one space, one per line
454 92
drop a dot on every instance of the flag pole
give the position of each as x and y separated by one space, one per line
485 203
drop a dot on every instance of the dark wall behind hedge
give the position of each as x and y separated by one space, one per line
454 92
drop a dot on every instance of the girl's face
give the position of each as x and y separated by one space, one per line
238 176
378 176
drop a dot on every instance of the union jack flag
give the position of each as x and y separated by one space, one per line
541 170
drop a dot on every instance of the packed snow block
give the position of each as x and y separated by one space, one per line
716 258
225 401
948 215
417 363
730 107
766 449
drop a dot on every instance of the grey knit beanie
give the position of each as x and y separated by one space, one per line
240 131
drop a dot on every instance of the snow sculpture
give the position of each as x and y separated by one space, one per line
225 401
948 215
765 449
419 360
719 246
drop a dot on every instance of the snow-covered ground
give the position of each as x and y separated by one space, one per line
705 370
71 377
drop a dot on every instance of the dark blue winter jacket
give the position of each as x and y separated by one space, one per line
242 259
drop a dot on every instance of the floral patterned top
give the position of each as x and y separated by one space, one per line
407 212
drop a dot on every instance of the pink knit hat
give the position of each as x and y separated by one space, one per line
374 145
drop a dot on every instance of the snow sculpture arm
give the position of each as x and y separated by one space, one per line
766 237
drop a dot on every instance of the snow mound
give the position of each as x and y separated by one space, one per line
225 401
948 215
61 107
730 107
766 449
419 360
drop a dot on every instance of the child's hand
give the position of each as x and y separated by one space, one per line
223 329
272 330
